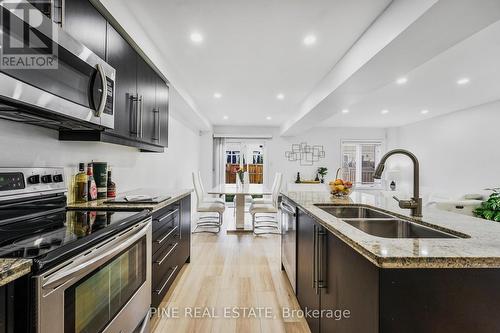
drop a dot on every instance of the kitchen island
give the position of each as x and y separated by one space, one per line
395 284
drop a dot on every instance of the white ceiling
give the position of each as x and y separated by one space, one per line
253 50
432 86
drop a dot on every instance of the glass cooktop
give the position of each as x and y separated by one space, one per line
35 237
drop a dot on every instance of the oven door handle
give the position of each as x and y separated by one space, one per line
145 323
64 276
104 97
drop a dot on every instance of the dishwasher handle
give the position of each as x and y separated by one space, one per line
287 208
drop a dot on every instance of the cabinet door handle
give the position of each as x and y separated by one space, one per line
159 262
159 241
163 218
314 258
134 117
320 282
156 117
159 125
317 264
140 116
159 290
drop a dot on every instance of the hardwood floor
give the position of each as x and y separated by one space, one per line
228 275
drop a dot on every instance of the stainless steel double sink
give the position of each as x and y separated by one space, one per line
378 223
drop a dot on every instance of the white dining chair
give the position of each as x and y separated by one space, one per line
268 200
206 198
209 222
267 225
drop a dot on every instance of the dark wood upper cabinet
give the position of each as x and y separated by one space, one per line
162 99
82 21
146 90
122 57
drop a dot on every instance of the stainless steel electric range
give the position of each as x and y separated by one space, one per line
91 270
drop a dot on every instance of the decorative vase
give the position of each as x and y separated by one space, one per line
393 186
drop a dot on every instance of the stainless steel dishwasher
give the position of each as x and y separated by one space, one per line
289 241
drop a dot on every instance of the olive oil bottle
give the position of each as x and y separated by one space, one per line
81 185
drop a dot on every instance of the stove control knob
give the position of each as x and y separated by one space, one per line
47 179
35 179
58 178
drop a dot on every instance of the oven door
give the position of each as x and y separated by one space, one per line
59 77
106 289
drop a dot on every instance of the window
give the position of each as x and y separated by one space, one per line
359 160
233 156
257 157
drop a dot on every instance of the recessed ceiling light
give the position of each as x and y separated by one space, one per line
268 118
280 96
401 80
217 95
463 81
310 40
384 111
196 37
225 117
345 111
424 111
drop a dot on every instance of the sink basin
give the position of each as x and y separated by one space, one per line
380 224
395 228
350 212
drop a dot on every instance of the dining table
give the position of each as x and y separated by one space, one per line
240 192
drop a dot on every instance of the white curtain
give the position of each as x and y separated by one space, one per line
219 162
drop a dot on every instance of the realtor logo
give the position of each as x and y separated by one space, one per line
28 37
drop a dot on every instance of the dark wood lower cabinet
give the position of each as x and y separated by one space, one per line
171 246
351 285
388 300
306 293
15 306
439 300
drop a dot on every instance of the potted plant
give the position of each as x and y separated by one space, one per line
490 209
322 171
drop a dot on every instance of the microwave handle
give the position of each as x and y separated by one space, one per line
64 276
104 95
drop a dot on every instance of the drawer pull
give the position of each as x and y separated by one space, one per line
163 218
159 262
159 241
158 291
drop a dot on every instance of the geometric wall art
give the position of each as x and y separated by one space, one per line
305 154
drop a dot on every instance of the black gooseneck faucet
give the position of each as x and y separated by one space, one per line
415 203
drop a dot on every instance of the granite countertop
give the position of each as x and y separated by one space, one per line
11 269
479 249
174 195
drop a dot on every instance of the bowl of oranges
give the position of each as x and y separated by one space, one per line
340 187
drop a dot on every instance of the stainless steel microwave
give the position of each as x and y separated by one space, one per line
47 77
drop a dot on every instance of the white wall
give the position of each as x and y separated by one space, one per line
459 153
26 146
330 138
